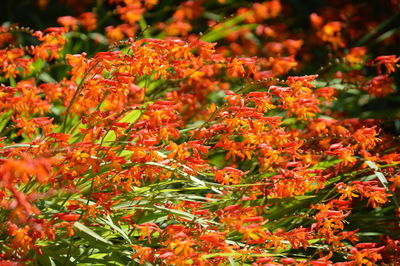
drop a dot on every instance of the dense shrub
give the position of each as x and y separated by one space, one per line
199 132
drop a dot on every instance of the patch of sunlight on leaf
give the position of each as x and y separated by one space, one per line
90 232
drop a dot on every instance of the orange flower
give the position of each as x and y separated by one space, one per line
69 23
356 55
344 153
379 86
229 176
88 21
389 61
331 33
366 137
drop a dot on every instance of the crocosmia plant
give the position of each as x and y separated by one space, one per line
229 132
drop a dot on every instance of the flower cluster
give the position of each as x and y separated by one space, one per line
179 150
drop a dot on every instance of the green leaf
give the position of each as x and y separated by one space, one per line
132 116
231 261
109 138
91 233
13 83
221 254
225 31
226 28
109 222
182 214
383 180
4 118
46 77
